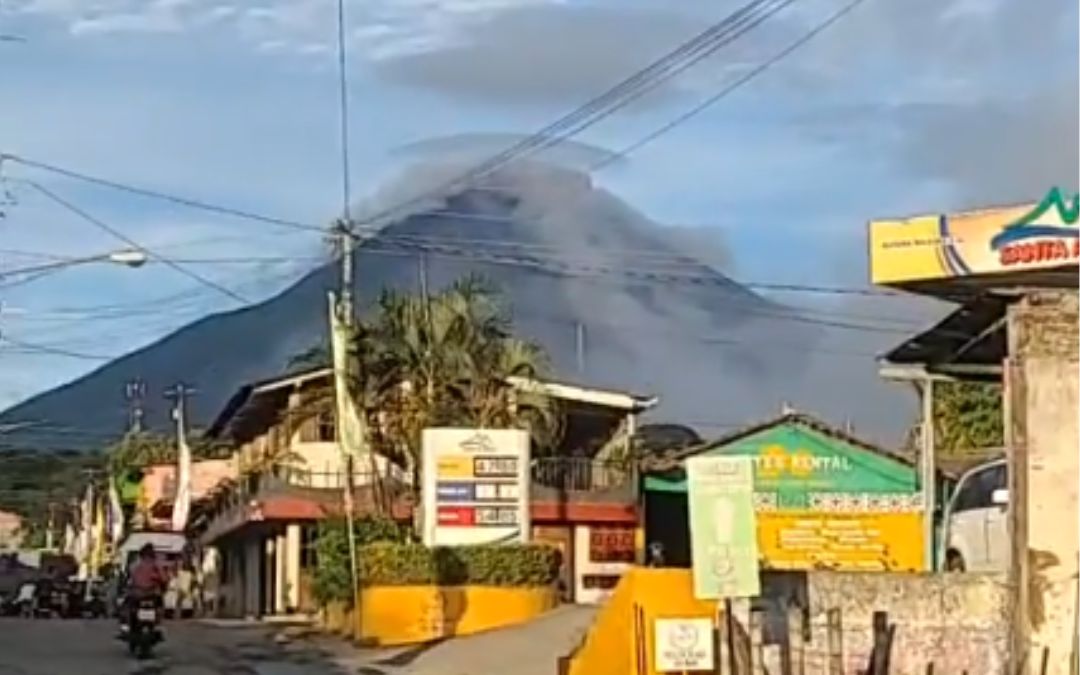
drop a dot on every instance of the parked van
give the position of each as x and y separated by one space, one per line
976 522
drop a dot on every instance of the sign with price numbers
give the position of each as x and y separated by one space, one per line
475 486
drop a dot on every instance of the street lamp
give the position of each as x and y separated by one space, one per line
128 257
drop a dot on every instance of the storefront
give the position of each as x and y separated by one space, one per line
824 499
1013 272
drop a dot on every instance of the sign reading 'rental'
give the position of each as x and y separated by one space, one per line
476 486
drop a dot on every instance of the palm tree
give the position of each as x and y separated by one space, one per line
445 361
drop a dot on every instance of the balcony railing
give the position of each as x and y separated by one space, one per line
580 474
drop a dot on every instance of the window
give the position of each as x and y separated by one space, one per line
603 582
319 429
977 490
309 535
611 544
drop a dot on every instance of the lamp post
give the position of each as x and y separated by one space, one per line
128 257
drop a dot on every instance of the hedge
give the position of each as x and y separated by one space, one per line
332 580
387 564
387 556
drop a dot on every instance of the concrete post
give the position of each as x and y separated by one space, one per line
253 553
1044 461
280 579
292 567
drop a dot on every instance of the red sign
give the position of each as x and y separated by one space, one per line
457 516
1040 251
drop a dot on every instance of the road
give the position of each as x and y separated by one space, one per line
70 647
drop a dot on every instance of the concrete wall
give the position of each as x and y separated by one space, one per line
1042 400
956 621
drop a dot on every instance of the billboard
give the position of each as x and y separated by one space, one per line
723 540
476 486
823 503
856 542
992 241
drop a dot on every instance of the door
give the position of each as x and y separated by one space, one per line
560 537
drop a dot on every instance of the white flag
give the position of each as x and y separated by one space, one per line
350 425
69 545
84 542
182 502
116 513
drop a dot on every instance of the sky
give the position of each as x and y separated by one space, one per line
900 107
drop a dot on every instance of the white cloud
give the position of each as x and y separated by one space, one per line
149 22
379 30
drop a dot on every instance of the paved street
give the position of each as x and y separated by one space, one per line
58 647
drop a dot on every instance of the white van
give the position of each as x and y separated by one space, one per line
976 522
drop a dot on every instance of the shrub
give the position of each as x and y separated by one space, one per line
332 580
386 564
387 557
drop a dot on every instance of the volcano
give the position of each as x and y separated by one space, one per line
616 299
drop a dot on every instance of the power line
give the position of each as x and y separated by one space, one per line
682 57
750 75
54 351
131 242
156 194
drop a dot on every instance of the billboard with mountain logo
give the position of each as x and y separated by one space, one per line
993 241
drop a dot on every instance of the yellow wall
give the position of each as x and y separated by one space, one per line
611 646
871 542
395 615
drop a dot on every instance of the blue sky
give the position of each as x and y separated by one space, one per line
903 106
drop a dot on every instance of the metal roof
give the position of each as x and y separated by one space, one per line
971 341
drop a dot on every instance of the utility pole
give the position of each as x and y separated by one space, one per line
134 393
579 344
179 395
345 300
928 470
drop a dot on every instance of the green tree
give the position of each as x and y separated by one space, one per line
138 450
967 415
442 362
447 361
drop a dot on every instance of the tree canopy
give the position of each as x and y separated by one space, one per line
138 450
967 416
443 361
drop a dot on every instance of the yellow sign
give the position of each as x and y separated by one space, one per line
992 241
794 540
455 467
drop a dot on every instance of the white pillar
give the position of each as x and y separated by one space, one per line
252 584
280 599
292 567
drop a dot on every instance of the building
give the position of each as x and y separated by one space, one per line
157 488
11 532
824 499
291 477
1013 273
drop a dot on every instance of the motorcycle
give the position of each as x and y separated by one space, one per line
144 630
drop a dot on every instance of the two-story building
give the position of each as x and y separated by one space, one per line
260 532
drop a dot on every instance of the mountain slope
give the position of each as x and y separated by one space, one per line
607 292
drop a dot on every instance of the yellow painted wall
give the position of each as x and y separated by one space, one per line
395 615
642 596
870 542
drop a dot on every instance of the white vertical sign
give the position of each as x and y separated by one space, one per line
476 486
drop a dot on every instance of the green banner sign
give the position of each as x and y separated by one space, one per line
723 531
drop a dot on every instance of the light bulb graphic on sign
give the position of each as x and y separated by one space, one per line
723 536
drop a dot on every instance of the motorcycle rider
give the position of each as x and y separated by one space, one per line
146 580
